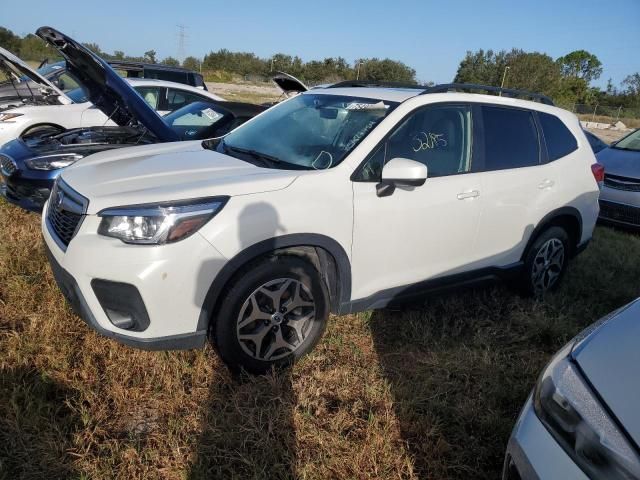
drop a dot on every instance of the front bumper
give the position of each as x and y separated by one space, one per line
620 207
533 454
30 195
172 281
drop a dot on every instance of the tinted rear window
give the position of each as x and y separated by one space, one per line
560 141
511 138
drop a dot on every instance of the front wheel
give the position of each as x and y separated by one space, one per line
546 262
274 313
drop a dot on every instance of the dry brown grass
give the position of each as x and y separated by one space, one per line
425 392
629 122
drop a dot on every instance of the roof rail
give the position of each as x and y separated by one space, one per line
374 83
507 92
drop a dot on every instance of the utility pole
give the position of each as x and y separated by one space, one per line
181 42
504 77
358 70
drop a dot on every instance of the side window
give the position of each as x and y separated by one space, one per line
151 95
560 141
66 82
510 138
438 136
179 98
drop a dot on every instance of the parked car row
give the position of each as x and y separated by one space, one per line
165 231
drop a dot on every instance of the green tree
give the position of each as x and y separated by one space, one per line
632 84
192 63
172 62
118 55
581 64
150 56
10 41
385 70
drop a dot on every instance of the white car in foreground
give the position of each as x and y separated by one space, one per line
581 421
62 111
336 200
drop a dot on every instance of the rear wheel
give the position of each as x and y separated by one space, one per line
274 313
546 262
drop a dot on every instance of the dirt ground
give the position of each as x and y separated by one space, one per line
608 135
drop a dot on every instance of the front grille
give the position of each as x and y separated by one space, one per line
620 212
622 183
7 165
65 213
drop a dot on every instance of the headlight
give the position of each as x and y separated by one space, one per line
53 162
5 117
573 414
158 223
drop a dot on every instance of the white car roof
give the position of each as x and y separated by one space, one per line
376 93
152 82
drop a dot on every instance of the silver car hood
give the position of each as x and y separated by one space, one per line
625 163
20 68
610 360
167 171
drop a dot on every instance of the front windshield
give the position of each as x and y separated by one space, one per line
197 120
314 131
630 142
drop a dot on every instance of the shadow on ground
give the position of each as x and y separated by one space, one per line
36 426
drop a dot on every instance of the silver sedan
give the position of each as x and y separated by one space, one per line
620 194
582 420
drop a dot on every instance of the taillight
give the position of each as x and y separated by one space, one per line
598 173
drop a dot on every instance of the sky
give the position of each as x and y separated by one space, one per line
430 36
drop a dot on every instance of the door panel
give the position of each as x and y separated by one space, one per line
418 233
93 117
414 234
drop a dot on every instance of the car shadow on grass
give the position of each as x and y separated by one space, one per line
248 430
36 426
461 365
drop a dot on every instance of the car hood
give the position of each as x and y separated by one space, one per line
12 63
625 163
609 357
105 88
161 173
288 83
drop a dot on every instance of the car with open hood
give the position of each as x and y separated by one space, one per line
582 421
29 165
54 110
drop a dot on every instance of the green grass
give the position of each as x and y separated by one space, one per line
424 392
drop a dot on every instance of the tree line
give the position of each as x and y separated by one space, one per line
566 79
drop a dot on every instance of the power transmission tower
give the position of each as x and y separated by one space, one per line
182 37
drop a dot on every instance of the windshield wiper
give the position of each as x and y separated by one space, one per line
267 159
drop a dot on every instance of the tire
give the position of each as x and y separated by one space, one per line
257 340
545 262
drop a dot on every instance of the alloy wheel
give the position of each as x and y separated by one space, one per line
547 265
276 319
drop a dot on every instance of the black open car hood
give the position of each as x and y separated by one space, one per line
105 88
288 83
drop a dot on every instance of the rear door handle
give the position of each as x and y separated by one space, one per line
471 194
546 184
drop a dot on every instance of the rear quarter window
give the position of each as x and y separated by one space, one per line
510 138
560 141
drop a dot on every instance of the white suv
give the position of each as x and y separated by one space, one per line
337 200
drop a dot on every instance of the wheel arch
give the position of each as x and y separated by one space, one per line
40 124
325 253
568 218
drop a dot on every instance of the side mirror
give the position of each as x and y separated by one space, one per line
401 172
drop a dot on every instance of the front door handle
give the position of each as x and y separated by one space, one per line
546 184
471 194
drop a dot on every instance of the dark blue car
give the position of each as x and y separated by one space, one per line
29 166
